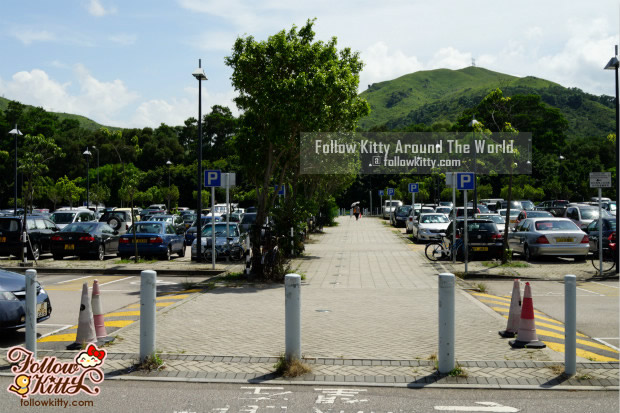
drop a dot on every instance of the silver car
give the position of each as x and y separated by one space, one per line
429 227
560 237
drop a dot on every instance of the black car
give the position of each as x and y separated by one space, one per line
484 239
399 218
85 239
609 226
40 230
13 301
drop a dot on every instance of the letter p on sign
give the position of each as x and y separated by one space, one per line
213 178
465 181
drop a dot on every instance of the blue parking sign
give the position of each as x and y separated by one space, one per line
465 181
381 192
213 178
413 188
390 191
279 189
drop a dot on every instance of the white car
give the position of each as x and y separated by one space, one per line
429 227
514 215
389 207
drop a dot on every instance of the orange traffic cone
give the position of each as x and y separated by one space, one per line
102 335
514 314
86 326
526 337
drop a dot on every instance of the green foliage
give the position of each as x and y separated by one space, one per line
68 190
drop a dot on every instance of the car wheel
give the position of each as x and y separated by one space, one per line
166 256
182 252
527 254
100 252
35 252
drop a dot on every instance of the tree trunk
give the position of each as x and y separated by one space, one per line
505 252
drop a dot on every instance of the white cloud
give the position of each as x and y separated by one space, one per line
95 8
29 36
450 58
123 39
382 64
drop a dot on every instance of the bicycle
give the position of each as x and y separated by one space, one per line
609 260
442 249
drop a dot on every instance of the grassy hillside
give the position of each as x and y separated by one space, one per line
442 94
84 121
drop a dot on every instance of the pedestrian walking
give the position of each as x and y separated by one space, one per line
356 212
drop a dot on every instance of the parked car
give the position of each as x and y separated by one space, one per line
460 212
64 218
446 210
229 243
582 215
190 234
153 239
175 220
527 205
484 238
556 207
482 208
446 204
85 239
560 237
496 218
514 214
249 218
531 214
516 205
188 220
399 217
40 230
119 220
389 207
609 226
491 203
13 301
429 227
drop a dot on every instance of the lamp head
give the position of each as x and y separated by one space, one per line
86 152
199 74
168 163
15 132
473 122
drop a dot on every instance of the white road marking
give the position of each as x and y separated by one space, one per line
74 279
601 340
115 281
55 331
488 407
606 285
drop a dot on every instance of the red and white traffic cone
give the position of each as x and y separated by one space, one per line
526 336
102 335
514 315
86 326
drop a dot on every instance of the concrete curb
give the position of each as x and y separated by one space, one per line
115 270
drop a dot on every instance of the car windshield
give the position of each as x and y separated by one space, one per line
162 219
11 225
527 205
434 219
403 211
393 203
589 214
538 214
248 219
147 228
555 226
80 227
513 212
444 210
62 217
481 227
493 217
220 231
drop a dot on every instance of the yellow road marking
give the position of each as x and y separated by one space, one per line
122 314
495 302
157 304
506 310
195 290
538 317
118 323
581 353
582 342
58 337
173 297
492 296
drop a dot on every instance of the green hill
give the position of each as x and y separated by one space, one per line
435 95
84 121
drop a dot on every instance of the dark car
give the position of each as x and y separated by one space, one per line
484 239
190 234
609 226
249 218
189 219
399 218
13 301
40 230
153 239
175 220
85 239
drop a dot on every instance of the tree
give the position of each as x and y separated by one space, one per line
131 182
69 190
289 84
99 194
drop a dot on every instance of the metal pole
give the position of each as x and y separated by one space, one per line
148 289
390 216
200 174
292 316
213 226
15 206
87 180
168 188
570 324
446 323
370 195
465 237
292 243
227 209
600 233
31 311
454 222
617 154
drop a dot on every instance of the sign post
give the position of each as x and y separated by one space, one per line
450 176
600 180
229 180
381 193
413 188
213 178
390 193
464 182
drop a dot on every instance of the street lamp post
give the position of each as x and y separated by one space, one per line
199 74
473 124
168 163
15 132
87 154
613 65
95 148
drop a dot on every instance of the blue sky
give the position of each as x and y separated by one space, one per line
129 63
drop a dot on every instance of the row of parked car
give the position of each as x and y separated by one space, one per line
533 232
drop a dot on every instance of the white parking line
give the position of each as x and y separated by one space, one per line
55 331
73 279
602 340
605 285
115 281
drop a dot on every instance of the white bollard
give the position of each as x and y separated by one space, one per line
31 311
570 324
292 316
148 290
446 323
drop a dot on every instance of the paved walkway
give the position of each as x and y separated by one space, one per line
369 314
